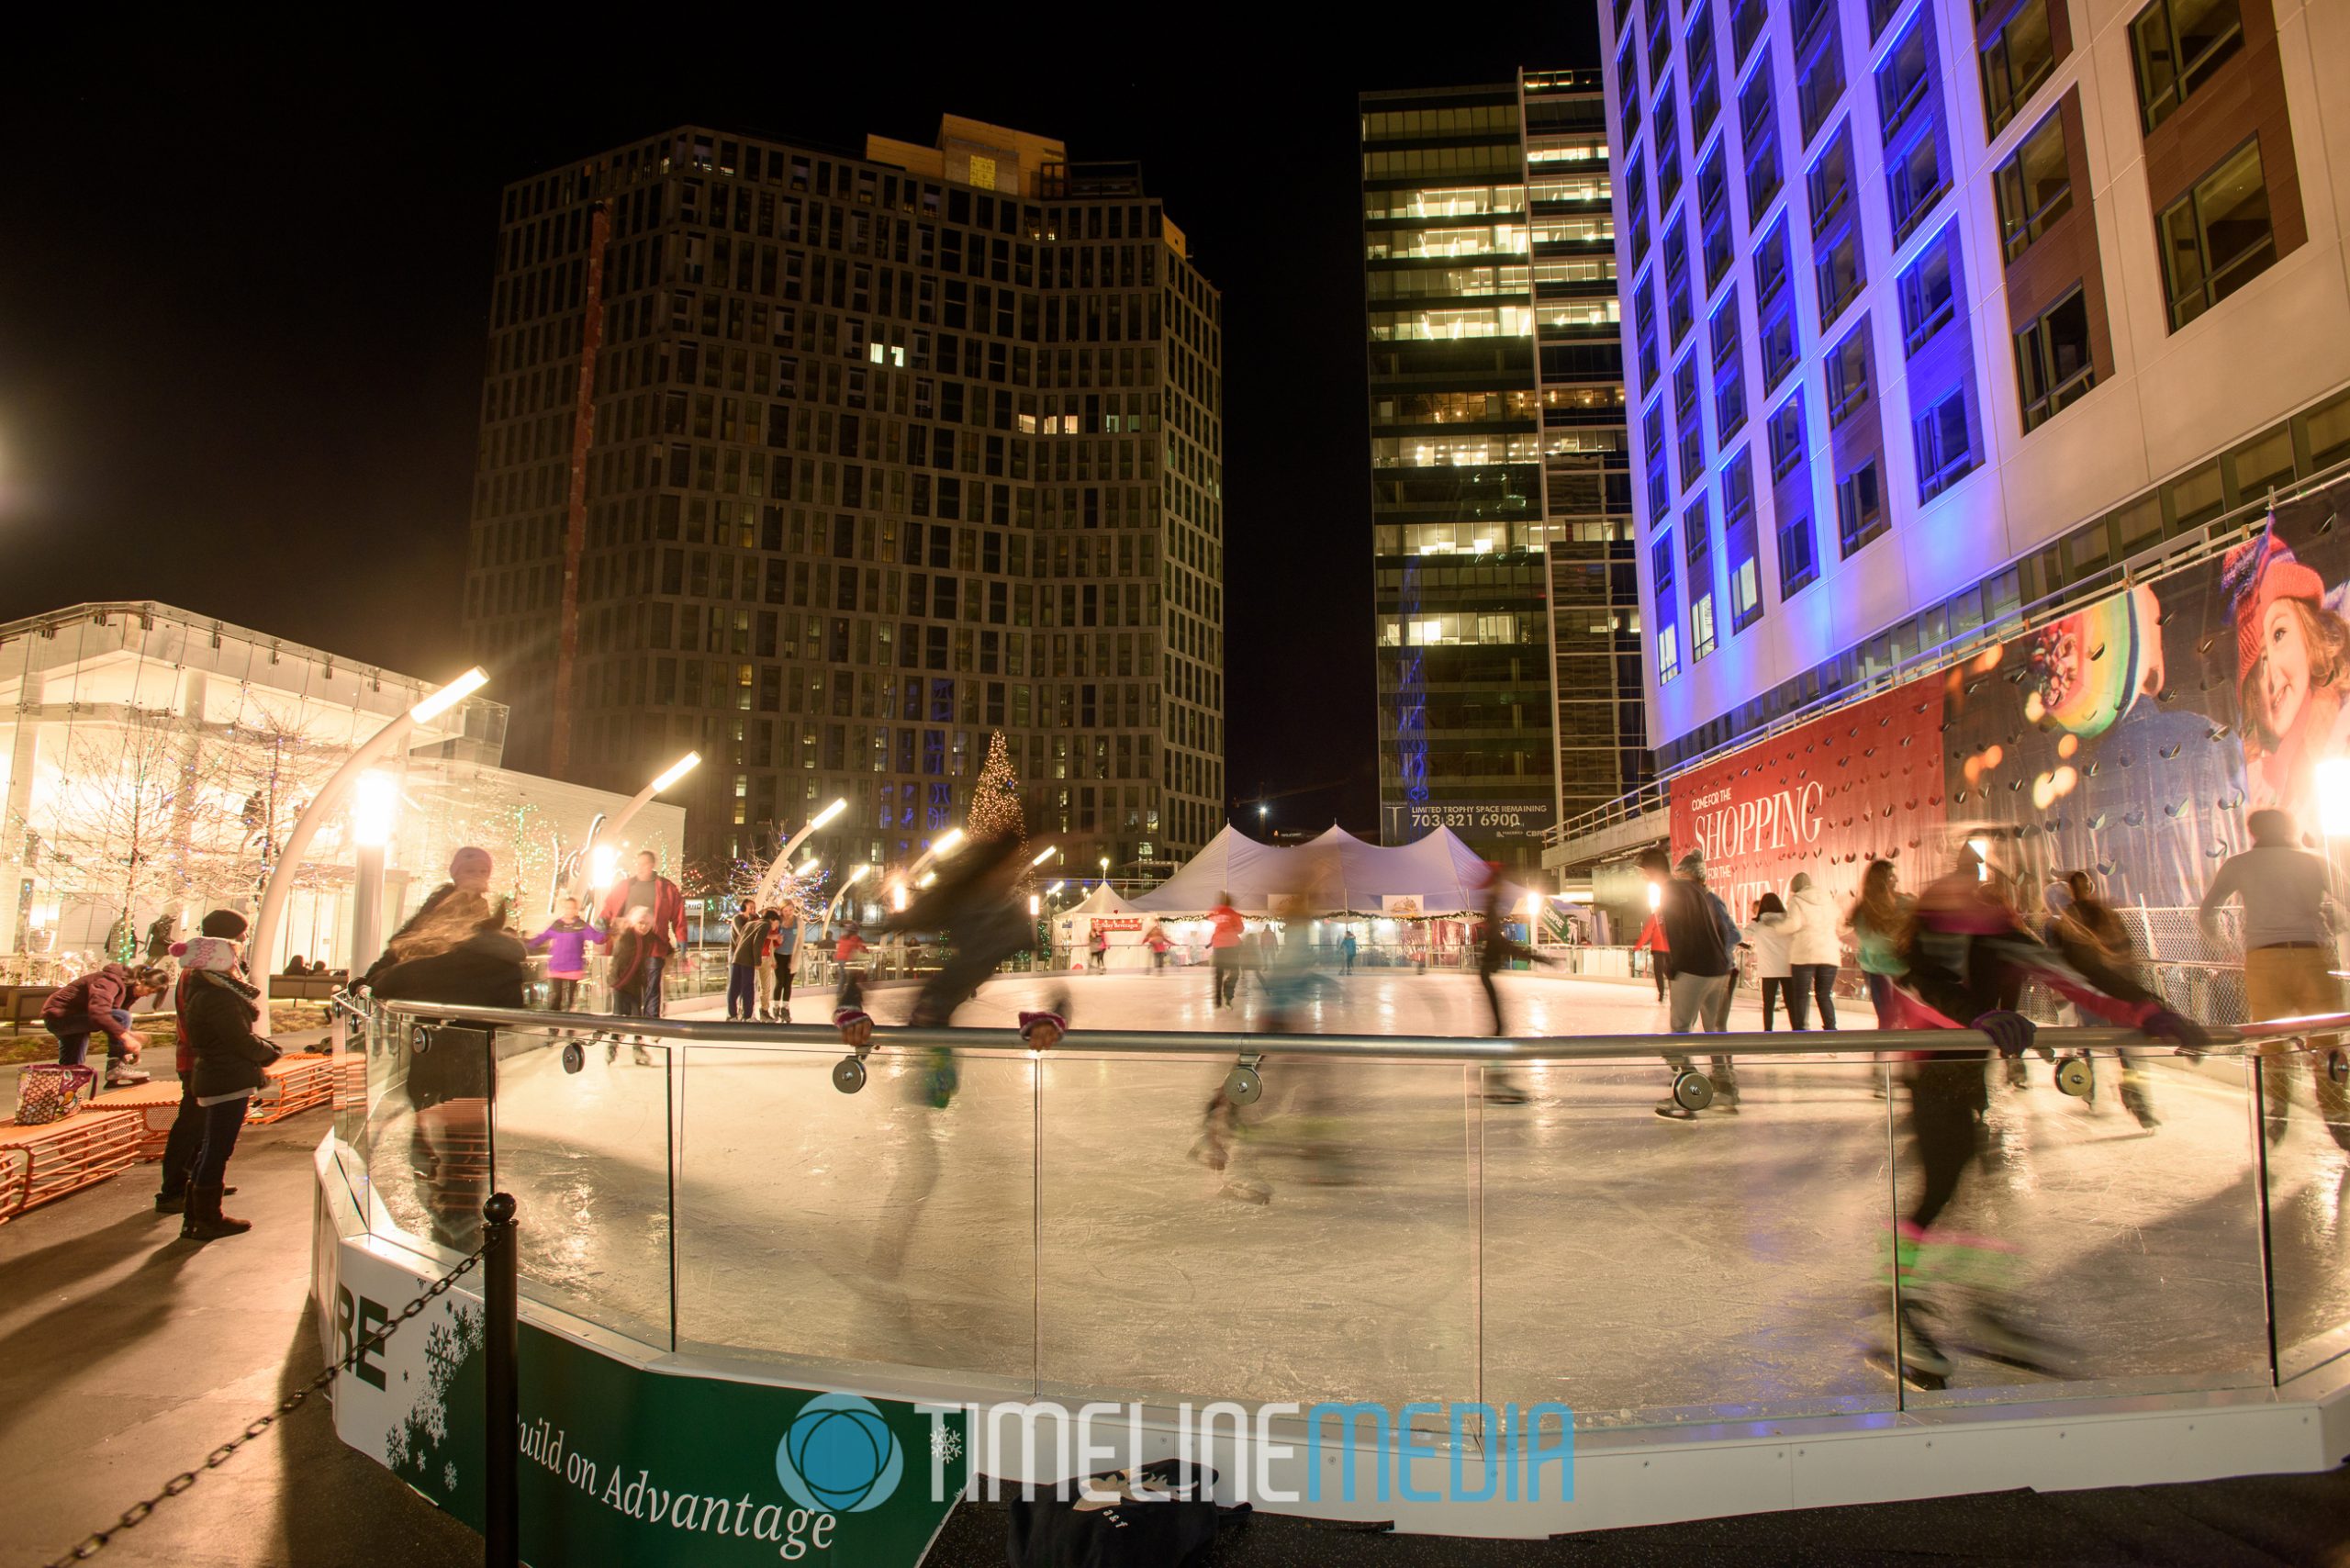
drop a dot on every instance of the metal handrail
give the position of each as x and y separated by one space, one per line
2264 1038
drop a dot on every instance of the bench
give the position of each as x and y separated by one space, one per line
37 1164
157 1105
295 1083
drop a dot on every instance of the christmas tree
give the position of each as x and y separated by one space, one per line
995 804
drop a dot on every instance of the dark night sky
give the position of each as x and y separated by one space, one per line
242 301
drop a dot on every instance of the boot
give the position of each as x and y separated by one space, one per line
172 1203
205 1222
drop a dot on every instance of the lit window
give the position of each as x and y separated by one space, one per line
1859 508
1848 374
2218 237
2176 45
2054 365
1930 291
1945 455
983 172
2035 186
2019 58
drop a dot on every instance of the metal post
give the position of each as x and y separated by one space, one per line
367 909
502 1401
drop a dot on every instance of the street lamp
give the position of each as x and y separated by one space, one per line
598 848
1656 896
1042 855
1106 868
374 810
261 949
774 877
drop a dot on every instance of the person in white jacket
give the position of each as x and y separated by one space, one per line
1768 934
1814 953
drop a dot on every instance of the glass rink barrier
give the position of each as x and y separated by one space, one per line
1826 1232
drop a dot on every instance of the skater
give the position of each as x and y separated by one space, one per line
461 953
1879 921
648 888
1225 926
1699 931
565 938
1962 954
1100 945
783 952
1652 943
218 1012
2287 957
634 978
187 1128
1347 950
469 872
2092 937
1770 934
100 1002
750 931
1155 940
1814 951
1495 949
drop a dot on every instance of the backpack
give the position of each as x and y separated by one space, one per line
1176 1529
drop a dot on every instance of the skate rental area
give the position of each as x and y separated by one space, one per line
1346 1199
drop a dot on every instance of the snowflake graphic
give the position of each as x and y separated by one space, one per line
945 1444
449 1475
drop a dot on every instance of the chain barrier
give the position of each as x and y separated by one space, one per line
138 1512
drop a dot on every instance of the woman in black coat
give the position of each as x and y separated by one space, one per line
218 1012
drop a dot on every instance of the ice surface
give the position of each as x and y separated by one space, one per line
1416 1242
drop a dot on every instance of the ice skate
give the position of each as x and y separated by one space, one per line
1912 1352
1672 1109
1211 1152
1991 1333
1506 1089
1242 1191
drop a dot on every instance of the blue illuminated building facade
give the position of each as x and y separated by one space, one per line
1939 314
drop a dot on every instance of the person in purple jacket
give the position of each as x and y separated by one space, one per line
565 940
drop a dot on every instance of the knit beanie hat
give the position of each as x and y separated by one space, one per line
2257 574
469 858
226 923
209 953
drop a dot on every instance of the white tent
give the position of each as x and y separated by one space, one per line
1120 921
1336 871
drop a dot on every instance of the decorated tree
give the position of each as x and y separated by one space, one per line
995 803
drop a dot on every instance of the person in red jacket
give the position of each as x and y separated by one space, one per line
648 888
1224 949
1652 943
186 1138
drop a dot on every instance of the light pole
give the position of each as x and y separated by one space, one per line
774 877
598 851
374 810
261 949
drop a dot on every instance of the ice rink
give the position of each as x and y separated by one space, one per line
1048 1228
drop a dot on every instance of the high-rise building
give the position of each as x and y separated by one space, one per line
1949 317
1507 632
828 466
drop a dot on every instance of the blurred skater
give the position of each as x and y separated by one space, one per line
1653 942
1963 955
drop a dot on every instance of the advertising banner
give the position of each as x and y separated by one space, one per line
1481 823
623 1465
2130 739
1400 906
1858 785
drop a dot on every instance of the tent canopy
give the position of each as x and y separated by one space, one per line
1102 899
1334 872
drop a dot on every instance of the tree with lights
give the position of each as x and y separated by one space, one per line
995 803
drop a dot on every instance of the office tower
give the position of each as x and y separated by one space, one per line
1507 617
829 466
